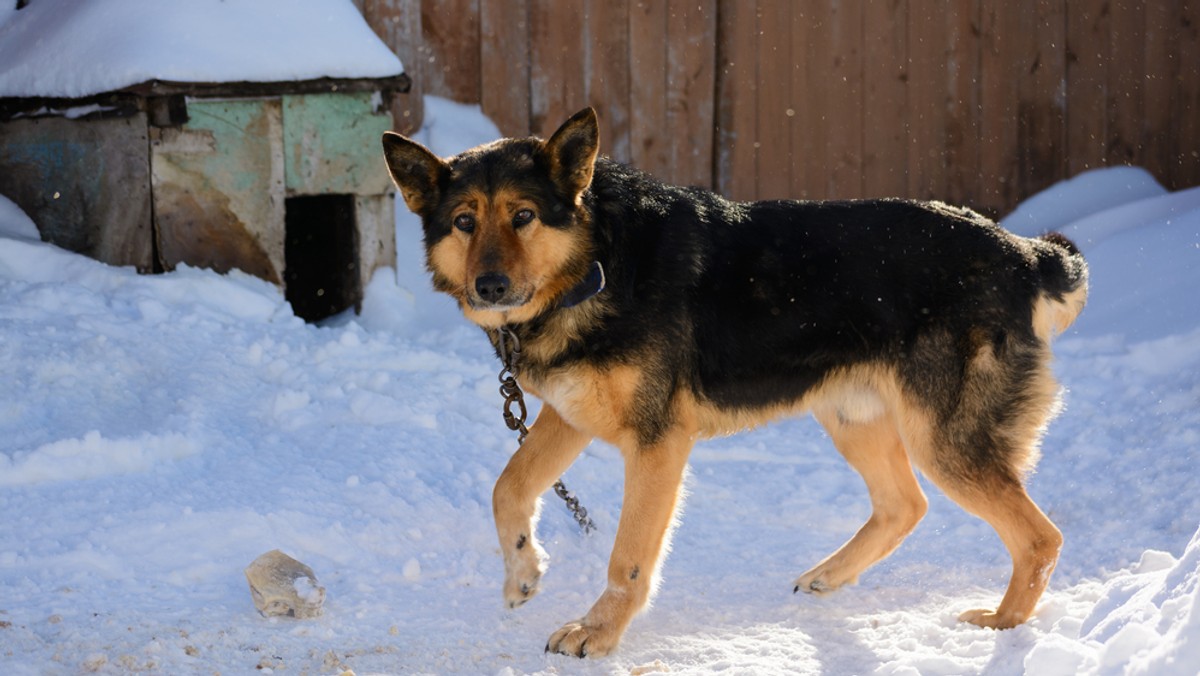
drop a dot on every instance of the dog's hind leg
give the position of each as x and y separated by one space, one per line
873 449
550 448
1032 540
653 476
993 492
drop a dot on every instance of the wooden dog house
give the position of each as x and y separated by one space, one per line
274 170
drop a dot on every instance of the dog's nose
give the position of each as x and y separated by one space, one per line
491 286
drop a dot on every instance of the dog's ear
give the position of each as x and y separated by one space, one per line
572 152
415 170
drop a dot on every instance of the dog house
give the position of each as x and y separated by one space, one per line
206 133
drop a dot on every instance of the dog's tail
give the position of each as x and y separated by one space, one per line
1064 282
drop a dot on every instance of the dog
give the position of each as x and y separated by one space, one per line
651 315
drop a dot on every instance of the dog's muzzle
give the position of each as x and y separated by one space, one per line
494 291
492 287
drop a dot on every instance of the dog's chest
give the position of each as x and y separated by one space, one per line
594 400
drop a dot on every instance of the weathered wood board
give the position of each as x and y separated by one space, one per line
219 187
981 103
331 145
375 217
85 183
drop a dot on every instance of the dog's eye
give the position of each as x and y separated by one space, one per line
522 217
465 222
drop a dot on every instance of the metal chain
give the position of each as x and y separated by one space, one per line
510 355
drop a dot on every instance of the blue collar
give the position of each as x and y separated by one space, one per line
592 284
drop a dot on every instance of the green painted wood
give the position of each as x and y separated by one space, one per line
218 187
331 144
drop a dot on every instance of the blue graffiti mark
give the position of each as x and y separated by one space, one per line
46 157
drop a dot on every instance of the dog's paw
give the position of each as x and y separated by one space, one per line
520 588
522 574
581 639
822 580
989 619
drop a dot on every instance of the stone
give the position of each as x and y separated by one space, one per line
282 586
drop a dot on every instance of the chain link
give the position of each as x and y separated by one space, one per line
510 356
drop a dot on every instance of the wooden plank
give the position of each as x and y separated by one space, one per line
607 72
650 134
691 41
398 24
1087 61
374 217
773 140
885 117
450 30
737 87
1125 109
845 119
989 121
1185 172
1041 128
818 46
558 85
330 145
963 108
242 89
802 143
928 84
504 65
219 188
999 74
1162 71
85 183
104 105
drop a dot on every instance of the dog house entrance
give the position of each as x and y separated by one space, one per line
321 275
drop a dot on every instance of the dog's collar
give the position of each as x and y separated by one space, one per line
592 284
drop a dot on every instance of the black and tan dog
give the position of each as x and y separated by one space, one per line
652 316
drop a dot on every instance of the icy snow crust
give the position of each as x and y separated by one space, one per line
159 433
71 49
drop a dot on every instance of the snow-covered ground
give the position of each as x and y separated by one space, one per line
158 433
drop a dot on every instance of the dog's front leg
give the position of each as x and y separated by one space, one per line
653 476
550 448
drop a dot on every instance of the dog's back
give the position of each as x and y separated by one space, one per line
760 301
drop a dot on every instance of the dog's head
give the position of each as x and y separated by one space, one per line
506 232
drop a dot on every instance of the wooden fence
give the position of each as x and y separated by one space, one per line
980 103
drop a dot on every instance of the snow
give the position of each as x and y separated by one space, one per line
1088 193
14 224
307 590
1142 242
72 49
158 433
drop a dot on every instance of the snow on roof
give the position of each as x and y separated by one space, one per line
70 49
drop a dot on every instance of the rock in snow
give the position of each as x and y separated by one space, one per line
282 586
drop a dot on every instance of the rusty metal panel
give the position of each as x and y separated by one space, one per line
85 183
219 188
331 144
